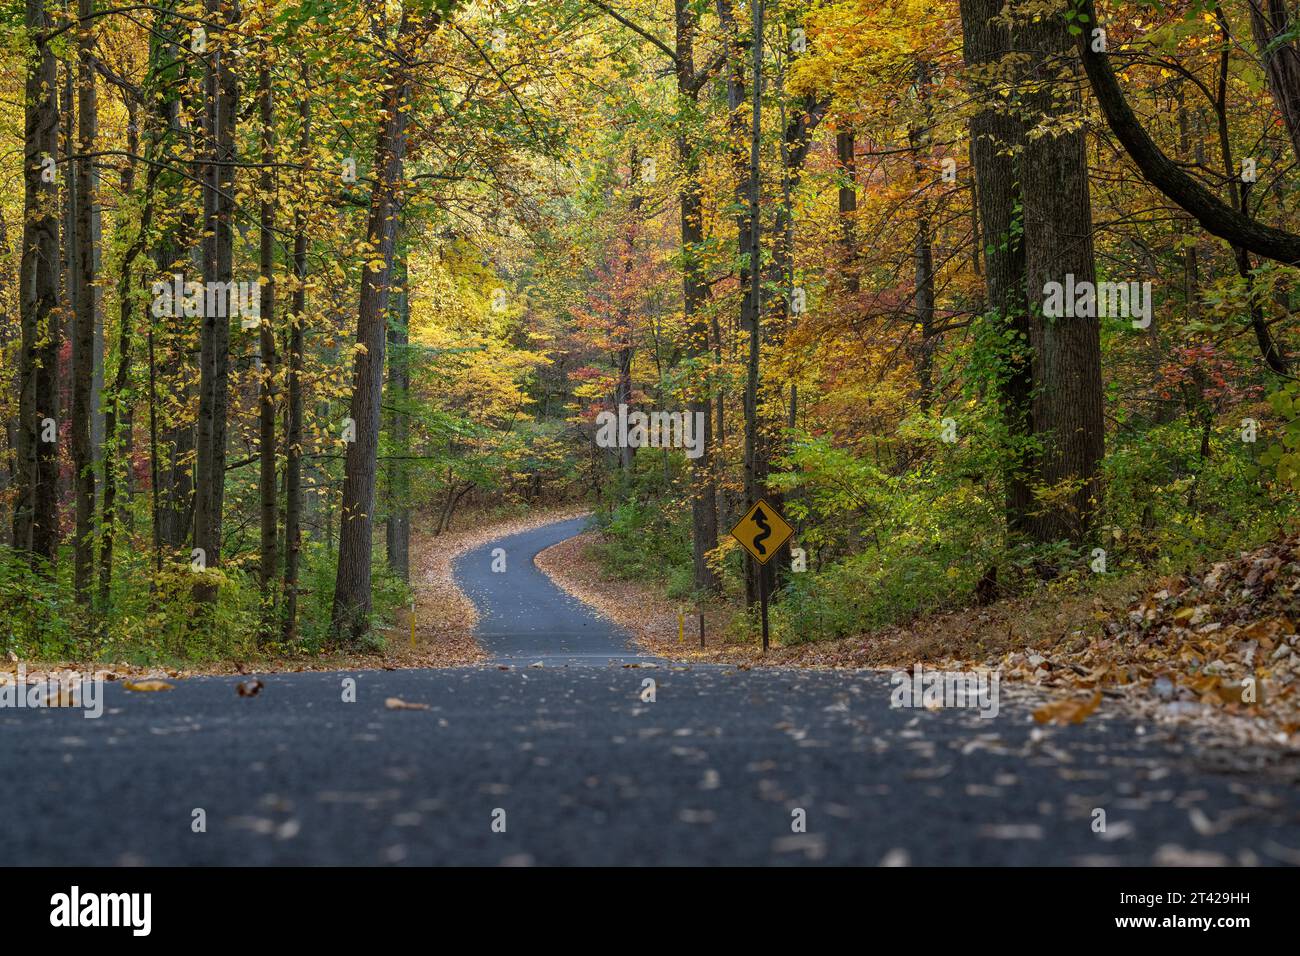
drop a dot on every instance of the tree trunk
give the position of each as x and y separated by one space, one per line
997 138
293 439
796 139
266 334
1240 195
10 381
83 338
1067 401
1269 21
704 501
923 270
624 350
398 536
172 491
218 270
846 156
755 460
352 597
35 510
121 379
923 251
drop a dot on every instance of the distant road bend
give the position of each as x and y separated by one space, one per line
524 616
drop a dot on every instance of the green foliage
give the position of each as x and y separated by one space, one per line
1168 505
681 582
870 590
646 534
36 609
155 619
1283 455
643 540
320 564
154 616
886 545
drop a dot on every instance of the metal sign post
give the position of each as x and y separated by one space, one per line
761 532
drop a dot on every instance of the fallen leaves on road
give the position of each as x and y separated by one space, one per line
63 698
1012 831
811 845
1067 711
396 703
249 688
147 686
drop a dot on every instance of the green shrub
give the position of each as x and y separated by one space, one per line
646 541
868 591
153 617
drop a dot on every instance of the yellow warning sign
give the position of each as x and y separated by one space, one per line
762 531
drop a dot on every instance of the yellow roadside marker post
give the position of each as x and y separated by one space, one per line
761 532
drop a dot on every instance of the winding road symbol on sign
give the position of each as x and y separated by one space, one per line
762 531
760 519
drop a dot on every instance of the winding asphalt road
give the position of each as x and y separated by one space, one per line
582 762
524 617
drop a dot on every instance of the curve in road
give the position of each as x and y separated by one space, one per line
524 617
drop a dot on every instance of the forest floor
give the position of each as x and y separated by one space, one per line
1176 649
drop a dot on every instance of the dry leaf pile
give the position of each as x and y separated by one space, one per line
147 686
1068 711
1225 637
